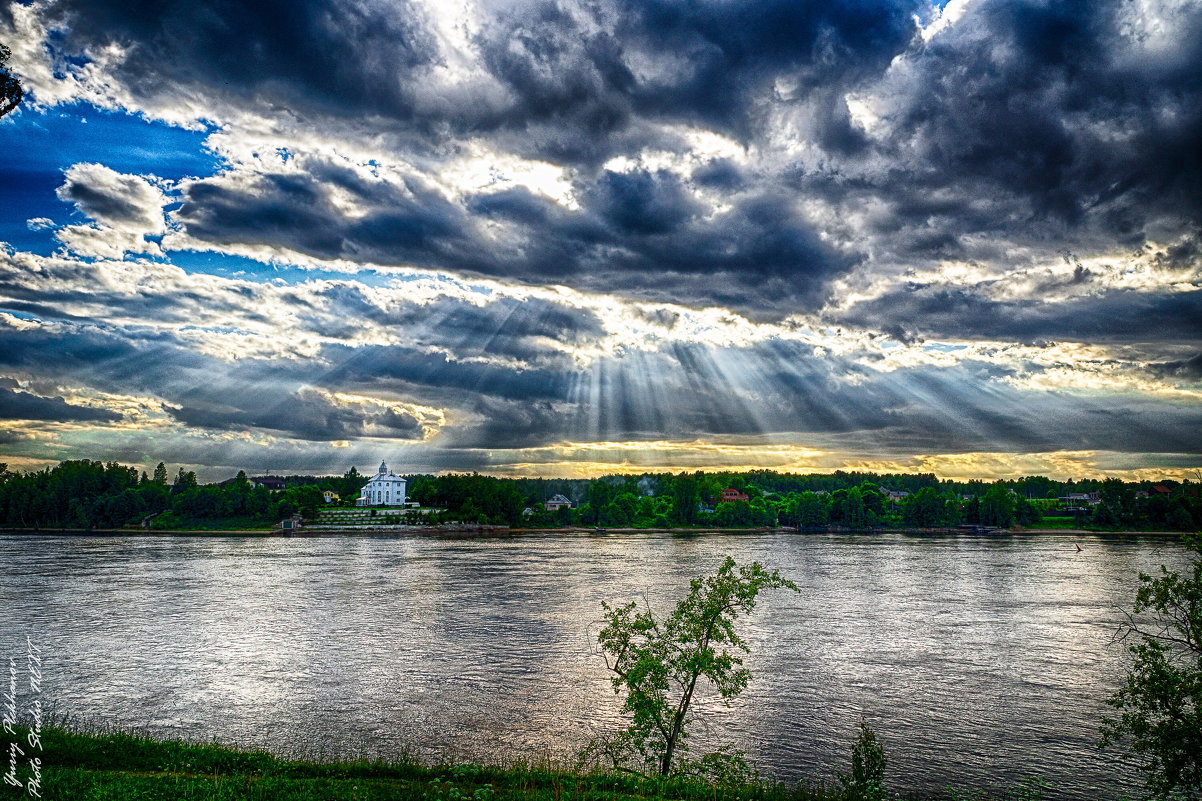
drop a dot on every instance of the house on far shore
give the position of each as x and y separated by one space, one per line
273 483
556 503
1080 499
729 495
385 489
329 496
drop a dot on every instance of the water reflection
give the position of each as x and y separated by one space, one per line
978 660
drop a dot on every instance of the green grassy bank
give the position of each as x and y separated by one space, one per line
127 767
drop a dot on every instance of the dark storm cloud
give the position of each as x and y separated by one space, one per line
722 174
566 68
507 329
404 224
1056 113
184 305
586 79
317 57
726 52
279 396
508 424
509 346
1115 316
305 414
14 437
1186 369
564 80
16 405
125 360
1023 121
570 86
439 380
99 204
643 203
640 229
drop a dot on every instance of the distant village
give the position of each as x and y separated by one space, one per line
658 501
89 495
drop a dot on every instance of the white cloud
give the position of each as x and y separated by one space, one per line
103 242
129 203
944 18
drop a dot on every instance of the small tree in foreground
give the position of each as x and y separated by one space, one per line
866 782
1160 705
660 665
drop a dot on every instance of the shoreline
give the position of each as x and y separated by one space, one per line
113 763
452 528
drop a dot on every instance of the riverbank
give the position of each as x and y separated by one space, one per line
457 528
119 765
122 765
446 528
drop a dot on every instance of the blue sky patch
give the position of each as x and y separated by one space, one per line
39 145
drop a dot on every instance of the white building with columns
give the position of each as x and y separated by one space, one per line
384 489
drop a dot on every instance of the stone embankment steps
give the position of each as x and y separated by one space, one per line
362 518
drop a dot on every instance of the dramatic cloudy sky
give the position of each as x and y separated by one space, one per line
567 237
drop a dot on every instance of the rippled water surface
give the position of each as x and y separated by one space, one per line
978 661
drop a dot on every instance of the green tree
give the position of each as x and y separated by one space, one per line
659 665
11 92
1026 513
685 497
812 510
308 499
1181 519
924 508
600 495
866 782
972 510
734 514
1120 499
1160 705
854 513
874 501
160 474
1107 515
184 482
997 507
351 484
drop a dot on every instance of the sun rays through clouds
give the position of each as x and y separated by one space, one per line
570 238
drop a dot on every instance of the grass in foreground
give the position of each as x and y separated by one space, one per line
130 767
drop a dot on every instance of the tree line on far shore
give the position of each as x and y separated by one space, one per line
91 494
95 495
867 500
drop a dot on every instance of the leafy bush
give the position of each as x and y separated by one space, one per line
866 782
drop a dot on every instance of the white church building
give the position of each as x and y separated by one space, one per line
384 489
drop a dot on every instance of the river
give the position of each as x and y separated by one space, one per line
977 660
